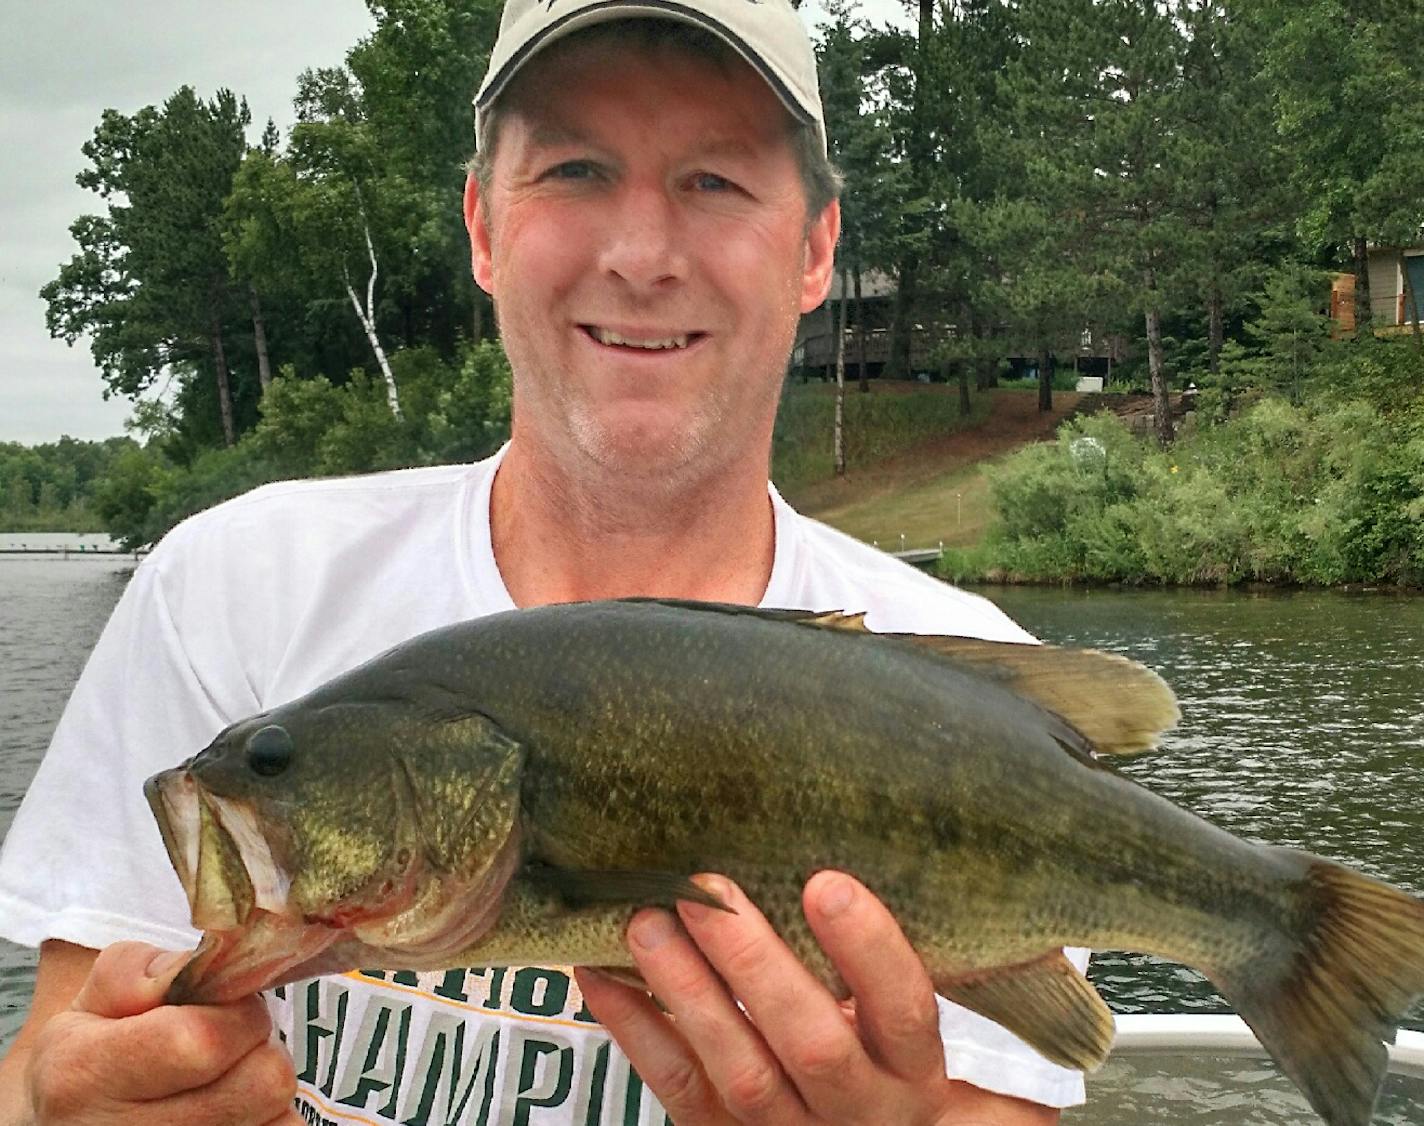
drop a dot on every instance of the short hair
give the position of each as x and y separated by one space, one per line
820 181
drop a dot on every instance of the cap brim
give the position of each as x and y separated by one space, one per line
602 11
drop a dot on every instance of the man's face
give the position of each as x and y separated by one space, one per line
646 241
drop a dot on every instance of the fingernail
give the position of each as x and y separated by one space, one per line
165 962
718 887
836 893
651 929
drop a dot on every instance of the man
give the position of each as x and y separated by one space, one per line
645 211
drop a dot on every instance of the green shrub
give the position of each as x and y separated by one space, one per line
1325 494
469 418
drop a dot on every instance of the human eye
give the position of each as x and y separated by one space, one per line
711 182
572 170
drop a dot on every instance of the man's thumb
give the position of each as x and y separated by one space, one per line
129 978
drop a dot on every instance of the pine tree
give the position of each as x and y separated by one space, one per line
150 284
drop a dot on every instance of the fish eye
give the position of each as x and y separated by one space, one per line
269 751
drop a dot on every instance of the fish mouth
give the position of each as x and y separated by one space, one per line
237 894
218 850
173 797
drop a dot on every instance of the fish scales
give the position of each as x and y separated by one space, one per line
557 768
769 756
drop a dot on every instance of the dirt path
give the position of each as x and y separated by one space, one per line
935 491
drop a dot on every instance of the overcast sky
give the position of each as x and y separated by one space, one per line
62 63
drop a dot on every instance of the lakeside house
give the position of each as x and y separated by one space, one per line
1093 354
1390 308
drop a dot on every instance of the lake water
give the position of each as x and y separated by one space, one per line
1302 725
51 611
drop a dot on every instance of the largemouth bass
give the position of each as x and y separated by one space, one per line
510 790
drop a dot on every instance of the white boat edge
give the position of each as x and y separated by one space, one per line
1174 1033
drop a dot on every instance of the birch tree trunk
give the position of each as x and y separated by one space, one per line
860 334
367 317
840 457
224 385
964 333
1161 405
1216 329
259 338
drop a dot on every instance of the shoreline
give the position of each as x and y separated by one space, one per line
1126 586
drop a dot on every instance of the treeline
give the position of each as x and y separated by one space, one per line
50 487
1030 173
1323 489
1133 176
452 411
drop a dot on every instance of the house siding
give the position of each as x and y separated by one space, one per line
1384 286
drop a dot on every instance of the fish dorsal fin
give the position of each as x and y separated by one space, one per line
837 619
1046 1002
1118 705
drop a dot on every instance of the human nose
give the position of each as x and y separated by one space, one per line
642 243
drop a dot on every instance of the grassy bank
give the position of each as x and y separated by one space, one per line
935 489
1320 487
889 420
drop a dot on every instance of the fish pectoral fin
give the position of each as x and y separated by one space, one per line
579 887
1046 1002
624 975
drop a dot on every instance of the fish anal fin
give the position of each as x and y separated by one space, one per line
579 887
1046 1002
1118 705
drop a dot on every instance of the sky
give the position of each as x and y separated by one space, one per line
62 63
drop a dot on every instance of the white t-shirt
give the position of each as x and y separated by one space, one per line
259 600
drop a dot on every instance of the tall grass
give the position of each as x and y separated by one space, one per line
888 421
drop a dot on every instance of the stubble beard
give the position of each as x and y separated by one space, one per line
654 465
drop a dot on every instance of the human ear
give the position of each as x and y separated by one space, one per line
477 223
820 263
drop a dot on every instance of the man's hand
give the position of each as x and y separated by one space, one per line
796 1055
119 1055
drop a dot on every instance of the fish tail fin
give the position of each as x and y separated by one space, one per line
1326 1011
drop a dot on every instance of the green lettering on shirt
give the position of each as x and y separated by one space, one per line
447 1072
543 1081
539 992
452 986
319 1025
380 1046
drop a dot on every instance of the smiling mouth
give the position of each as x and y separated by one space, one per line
608 338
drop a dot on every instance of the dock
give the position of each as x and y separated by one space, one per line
919 556
74 552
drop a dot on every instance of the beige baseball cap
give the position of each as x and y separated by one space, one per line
769 34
